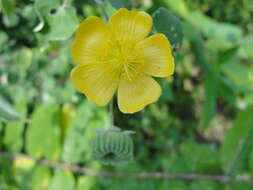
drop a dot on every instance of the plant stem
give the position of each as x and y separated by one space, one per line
65 2
111 113
105 16
142 175
101 6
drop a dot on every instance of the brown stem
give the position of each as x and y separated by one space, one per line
143 175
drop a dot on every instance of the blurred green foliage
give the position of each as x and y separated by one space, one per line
201 124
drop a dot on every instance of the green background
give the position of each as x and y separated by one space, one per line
202 123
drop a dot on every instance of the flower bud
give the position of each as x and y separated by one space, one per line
112 146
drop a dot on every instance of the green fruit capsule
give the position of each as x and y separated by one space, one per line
112 146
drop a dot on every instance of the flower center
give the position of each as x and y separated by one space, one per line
126 59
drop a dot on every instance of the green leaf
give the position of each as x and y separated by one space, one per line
197 46
65 16
238 143
134 184
173 184
8 7
209 106
40 177
3 39
43 133
43 9
240 76
251 161
22 59
110 10
220 35
10 18
200 157
180 7
13 137
246 47
1 129
166 23
86 182
30 175
226 93
175 164
205 184
23 172
239 186
63 180
167 94
67 114
117 4
226 55
7 113
56 16
77 145
6 173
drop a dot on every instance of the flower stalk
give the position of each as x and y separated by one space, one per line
106 17
101 6
111 112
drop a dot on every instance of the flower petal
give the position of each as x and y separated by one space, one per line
158 58
134 95
97 81
130 25
91 41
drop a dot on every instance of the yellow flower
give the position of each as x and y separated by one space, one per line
119 56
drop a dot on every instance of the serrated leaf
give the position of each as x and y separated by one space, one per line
7 113
117 4
238 143
168 24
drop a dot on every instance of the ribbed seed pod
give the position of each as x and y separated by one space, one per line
112 146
